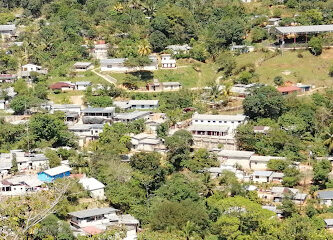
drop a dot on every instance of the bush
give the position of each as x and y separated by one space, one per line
278 80
315 45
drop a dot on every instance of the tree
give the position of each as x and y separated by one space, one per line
315 46
328 138
162 130
258 34
291 177
288 207
226 63
51 128
99 101
278 80
321 171
21 103
200 160
54 159
144 48
277 165
158 41
264 102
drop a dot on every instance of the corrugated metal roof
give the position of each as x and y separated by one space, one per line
305 29
93 212
202 127
219 117
57 170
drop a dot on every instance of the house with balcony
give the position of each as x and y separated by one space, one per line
167 61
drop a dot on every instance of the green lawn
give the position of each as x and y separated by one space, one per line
307 69
189 73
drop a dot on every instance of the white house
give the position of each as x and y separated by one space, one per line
5 163
235 158
147 142
266 176
176 49
167 61
329 223
163 86
94 187
2 104
28 68
131 116
137 104
86 132
274 22
118 65
66 108
82 66
230 121
100 51
82 86
19 185
29 161
260 162
325 197
7 30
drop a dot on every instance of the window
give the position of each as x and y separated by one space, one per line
214 121
109 66
202 121
220 121
257 176
196 121
142 106
225 121
232 122
209 121
239 121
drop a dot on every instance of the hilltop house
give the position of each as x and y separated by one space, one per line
82 86
137 104
147 142
7 78
94 187
118 65
97 220
176 49
100 51
19 185
131 116
86 132
234 157
266 176
163 86
167 61
54 173
325 197
8 30
62 86
82 66
28 68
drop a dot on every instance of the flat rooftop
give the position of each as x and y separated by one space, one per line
304 29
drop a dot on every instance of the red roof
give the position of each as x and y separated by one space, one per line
288 89
60 85
92 230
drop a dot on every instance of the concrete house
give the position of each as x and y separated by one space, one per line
2 104
100 51
260 162
137 104
82 66
167 61
97 115
266 176
176 49
54 173
19 185
86 132
242 48
94 187
7 78
66 108
278 193
62 86
118 65
147 142
29 161
28 68
325 197
289 90
131 116
163 86
235 157
8 30
329 223
82 86
230 121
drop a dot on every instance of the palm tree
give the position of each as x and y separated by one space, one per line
328 136
118 8
144 48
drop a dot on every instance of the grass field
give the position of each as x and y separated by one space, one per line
307 69
189 73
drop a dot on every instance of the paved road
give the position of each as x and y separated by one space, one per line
106 77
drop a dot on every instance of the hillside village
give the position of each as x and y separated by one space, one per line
154 119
